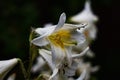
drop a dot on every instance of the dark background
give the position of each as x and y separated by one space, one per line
18 16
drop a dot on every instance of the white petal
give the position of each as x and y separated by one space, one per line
6 66
46 30
72 27
48 57
58 55
81 54
68 55
82 76
86 15
40 41
55 71
61 21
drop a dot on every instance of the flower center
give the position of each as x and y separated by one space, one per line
61 38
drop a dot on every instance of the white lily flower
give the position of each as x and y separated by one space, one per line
6 66
61 39
65 28
86 15
69 70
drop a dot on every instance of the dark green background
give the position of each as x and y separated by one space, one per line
18 16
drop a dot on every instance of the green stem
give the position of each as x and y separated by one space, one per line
30 64
23 69
32 53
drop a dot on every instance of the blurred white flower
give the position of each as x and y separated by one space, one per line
6 66
89 69
86 15
90 31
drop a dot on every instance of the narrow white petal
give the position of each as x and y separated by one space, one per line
41 31
81 54
82 76
61 21
69 55
55 71
40 41
58 55
48 57
6 66
82 25
56 77
72 27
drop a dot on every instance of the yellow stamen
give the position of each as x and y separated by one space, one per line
61 38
